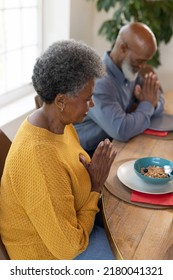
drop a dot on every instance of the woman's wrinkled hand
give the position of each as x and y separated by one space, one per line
100 164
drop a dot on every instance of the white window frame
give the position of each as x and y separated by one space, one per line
11 96
54 25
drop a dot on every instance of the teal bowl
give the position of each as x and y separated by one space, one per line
152 161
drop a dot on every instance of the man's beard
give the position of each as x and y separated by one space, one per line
128 71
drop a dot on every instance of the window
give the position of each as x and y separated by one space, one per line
20 44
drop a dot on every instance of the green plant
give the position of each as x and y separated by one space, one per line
158 15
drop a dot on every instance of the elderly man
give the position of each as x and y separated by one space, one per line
117 92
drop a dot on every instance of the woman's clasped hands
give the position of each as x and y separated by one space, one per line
100 164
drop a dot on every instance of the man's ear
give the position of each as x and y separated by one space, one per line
123 47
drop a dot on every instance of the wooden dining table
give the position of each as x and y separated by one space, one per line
138 231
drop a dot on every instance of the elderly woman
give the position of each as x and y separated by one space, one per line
50 187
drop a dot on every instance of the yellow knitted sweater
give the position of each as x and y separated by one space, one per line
47 209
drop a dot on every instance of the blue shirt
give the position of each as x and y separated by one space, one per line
111 116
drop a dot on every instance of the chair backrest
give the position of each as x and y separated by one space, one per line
5 144
38 102
3 252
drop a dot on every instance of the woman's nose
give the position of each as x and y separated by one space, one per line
91 103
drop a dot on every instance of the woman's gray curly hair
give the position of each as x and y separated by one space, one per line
65 67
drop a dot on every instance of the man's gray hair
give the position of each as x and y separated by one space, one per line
65 67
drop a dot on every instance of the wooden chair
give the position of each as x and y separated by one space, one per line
5 144
3 252
38 101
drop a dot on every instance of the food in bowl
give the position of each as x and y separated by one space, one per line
154 172
142 165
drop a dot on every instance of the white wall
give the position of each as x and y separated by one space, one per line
82 20
85 22
165 71
56 24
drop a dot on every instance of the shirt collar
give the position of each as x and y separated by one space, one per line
111 67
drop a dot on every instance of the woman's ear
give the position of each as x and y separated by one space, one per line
60 101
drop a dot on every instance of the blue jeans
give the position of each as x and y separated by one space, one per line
98 248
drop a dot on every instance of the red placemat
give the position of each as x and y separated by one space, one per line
156 132
158 199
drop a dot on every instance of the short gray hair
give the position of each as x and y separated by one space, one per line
65 67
